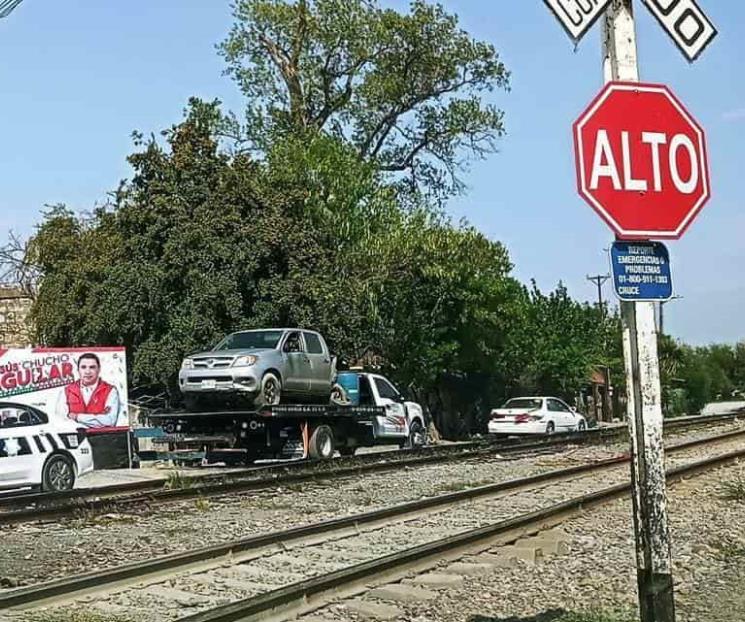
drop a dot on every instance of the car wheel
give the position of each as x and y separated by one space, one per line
550 427
581 426
270 391
321 446
58 474
417 436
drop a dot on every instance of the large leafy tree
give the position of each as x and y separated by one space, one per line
404 90
561 341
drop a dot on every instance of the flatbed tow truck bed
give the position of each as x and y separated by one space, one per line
283 431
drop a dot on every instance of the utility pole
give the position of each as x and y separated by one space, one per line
654 565
599 280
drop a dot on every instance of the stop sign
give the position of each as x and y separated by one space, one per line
641 161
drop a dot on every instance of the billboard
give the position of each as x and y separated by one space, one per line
88 385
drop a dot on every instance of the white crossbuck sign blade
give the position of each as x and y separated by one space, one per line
686 24
577 16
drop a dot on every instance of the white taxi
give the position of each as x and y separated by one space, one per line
39 452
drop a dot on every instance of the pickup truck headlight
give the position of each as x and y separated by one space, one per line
187 364
245 361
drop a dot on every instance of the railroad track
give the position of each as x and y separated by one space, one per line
283 573
85 502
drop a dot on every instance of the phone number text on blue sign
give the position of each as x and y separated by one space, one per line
641 271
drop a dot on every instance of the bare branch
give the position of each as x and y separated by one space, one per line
16 270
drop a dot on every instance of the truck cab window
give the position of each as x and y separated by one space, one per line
313 342
386 390
365 392
293 343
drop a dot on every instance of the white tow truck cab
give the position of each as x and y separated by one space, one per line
403 421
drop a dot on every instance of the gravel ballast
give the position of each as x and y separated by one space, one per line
38 552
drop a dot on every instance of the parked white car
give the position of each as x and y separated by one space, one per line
535 415
37 451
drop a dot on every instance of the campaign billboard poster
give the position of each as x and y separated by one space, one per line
87 385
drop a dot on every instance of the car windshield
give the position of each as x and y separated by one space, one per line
523 403
251 339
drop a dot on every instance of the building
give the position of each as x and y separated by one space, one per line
15 327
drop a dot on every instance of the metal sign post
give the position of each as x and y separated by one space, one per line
654 566
628 119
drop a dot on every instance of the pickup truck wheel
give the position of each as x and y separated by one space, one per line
269 391
321 446
416 436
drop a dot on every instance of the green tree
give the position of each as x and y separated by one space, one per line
404 90
561 341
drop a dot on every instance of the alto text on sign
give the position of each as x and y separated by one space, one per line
641 161
641 271
577 16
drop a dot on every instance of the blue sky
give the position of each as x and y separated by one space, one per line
79 76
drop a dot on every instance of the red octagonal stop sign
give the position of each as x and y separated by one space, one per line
641 161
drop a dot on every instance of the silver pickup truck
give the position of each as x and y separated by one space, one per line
266 365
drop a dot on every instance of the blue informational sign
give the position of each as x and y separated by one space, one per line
641 271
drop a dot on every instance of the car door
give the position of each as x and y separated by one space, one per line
320 364
20 455
297 370
562 414
395 412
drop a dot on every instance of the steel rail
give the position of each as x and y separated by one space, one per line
35 506
79 585
309 594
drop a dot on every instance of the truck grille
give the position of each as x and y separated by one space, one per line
198 379
213 362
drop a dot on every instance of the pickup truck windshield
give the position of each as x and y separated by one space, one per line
249 340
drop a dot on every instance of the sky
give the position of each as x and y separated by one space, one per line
79 76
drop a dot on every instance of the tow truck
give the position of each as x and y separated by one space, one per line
365 410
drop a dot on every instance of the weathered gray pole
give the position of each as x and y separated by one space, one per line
654 565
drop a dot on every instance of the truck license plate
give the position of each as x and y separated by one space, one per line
209 384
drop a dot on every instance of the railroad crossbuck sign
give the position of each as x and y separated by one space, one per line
641 161
577 16
683 20
686 24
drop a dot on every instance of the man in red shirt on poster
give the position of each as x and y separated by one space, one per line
90 401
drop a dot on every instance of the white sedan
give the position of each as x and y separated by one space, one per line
39 452
535 415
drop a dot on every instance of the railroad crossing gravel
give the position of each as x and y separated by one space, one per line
597 571
42 551
188 593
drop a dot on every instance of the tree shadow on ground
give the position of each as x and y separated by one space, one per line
552 615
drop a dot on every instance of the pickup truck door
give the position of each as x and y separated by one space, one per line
320 364
297 369
394 423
